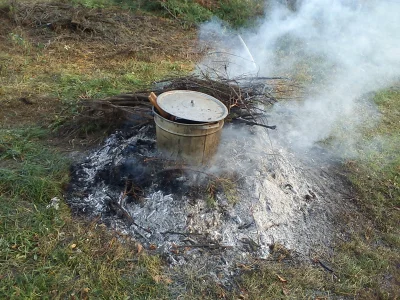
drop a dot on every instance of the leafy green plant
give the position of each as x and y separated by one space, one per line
240 13
237 13
93 3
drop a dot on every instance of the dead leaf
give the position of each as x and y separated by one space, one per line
15 246
243 296
162 279
167 280
85 294
73 246
139 248
281 279
281 257
175 251
221 294
285 291
152 247
244 267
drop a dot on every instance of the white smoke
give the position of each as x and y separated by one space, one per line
342 49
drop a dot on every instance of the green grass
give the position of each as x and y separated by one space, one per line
362 270
376 173
32 172
100 84
236 13
240 13
44 252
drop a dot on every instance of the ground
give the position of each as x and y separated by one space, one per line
53 54
56 51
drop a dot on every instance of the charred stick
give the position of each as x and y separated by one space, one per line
180 233
210 246
247 115
325 266
246 225
182 168
114 205
254 123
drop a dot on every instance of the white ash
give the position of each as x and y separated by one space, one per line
280 199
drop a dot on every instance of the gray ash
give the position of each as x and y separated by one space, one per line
234 210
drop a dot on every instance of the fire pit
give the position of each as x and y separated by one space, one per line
253 197
192 128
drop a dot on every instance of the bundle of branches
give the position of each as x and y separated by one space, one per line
244 98
239 92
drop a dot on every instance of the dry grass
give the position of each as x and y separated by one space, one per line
47 253
48 67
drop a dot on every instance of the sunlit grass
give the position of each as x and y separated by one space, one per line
376 171
71 78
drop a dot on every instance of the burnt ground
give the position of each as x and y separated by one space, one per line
250 199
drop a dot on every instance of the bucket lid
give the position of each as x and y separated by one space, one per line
191 105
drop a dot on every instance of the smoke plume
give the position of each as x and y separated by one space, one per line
340 50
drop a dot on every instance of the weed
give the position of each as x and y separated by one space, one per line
237 13
226 185
93 3
211 195
18 40
229 187
240 13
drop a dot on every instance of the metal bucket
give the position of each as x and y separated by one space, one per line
191 143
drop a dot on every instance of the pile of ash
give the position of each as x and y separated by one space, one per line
250 199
